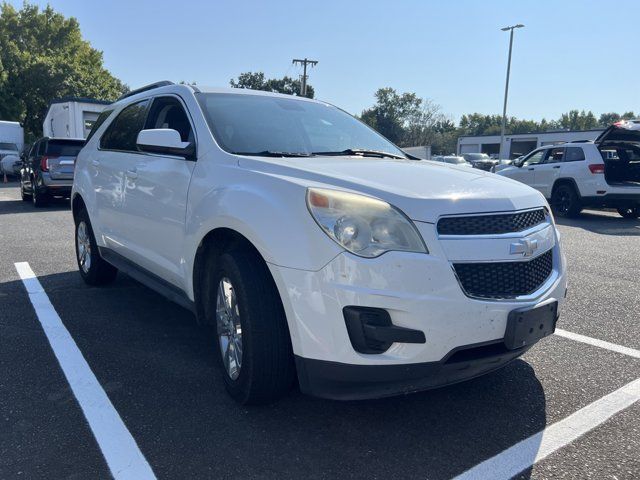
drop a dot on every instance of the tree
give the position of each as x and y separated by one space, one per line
574 120
43 57
257 81
607 119
402 118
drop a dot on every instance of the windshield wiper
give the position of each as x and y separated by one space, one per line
362 152
271 153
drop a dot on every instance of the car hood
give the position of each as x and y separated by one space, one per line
423 190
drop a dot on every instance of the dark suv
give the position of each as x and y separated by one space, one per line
48 169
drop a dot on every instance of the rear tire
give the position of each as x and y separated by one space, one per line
565 201
93 269
40 200
252 336
630 212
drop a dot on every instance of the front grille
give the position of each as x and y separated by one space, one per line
490 224
504 279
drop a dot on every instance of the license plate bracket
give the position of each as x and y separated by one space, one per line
525 326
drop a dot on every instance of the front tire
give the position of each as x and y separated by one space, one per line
25 196
94 270
565 201
630 212
252 337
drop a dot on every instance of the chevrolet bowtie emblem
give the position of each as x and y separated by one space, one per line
524 247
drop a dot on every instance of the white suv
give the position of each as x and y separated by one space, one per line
314 246
603 173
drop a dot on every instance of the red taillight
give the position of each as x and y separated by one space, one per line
597 167
44 163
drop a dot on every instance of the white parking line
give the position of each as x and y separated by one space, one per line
527 452
124 458
599 343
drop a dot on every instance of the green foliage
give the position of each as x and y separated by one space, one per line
408 120
257 81
43 57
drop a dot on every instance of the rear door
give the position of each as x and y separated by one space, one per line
111 169
60 157
156 199
548 170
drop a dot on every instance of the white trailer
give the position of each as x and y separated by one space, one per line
423 151
71 117
11 136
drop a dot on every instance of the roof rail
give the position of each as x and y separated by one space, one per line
151 86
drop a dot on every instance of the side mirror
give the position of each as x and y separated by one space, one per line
165 141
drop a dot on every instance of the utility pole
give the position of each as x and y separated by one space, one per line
304 62
506 87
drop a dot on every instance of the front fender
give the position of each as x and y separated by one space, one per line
270 211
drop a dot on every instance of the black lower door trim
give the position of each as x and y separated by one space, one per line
147 278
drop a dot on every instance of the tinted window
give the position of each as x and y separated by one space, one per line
554 155
167 112
123 131
8 146
255 123
96 125
574 154
63 148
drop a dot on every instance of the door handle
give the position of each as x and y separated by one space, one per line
133 174
556 166
95 163
531 168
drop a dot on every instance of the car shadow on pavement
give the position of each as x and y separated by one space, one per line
602 223
160 371
19 206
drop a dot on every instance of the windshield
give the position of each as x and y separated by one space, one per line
64 148
8 146
244 123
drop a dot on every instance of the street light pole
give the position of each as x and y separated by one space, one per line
506 87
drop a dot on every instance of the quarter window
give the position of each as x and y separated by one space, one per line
123 131
167 112
574 154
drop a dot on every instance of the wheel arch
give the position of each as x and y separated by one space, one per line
565 181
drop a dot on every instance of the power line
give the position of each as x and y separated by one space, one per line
304 62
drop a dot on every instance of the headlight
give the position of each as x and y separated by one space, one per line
365 226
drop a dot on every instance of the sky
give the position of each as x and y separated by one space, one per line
571 54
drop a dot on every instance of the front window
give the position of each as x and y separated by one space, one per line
246 124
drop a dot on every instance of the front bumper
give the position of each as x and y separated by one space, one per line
340 381
420 292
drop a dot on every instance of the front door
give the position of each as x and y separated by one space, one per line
156 197
548 170
527 171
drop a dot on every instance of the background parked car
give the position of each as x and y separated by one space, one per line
10 165
480 160
452 159
48 169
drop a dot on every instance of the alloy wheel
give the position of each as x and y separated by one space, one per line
229 328
84 247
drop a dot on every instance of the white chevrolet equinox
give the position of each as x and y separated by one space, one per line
314 248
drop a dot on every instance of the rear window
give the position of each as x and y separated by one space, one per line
574 154
64 148
8 146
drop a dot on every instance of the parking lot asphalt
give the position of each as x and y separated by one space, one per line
159 372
